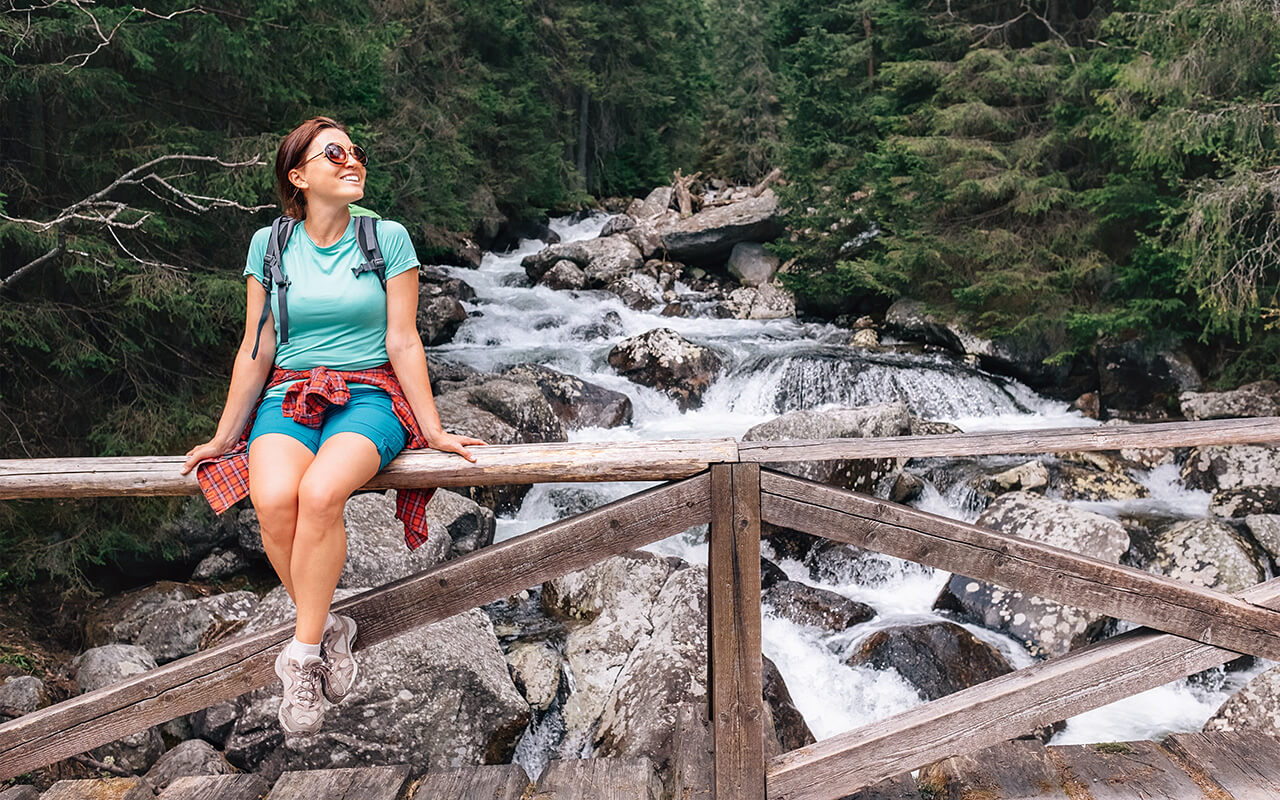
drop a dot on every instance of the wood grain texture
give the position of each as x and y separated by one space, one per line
692 766
96 789
902 787
1021 564
490 782
358 783
1014 770
997 710
1256 430
599 779
494 465
1127 771
20 793
218 787
736 689
1246 766
245 663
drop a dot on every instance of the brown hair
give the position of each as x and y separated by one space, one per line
289 155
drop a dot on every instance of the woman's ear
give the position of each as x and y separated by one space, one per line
295 177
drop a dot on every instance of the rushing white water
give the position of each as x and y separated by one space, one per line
776 366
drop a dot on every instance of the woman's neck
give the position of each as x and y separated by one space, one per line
326 224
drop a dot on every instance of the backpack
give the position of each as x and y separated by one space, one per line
273 266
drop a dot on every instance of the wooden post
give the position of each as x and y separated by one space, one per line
733 607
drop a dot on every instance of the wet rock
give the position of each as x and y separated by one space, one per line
522 406
819 608
1088 404
1079 483
1046 627
439 319
655 203
1207 553
1024 477
1265 530
709 235
924 427
1260 399
512 231
770 574
866 339
609 326
108 665
939 658
644 235
860 475
839 563
220 564
464 418
751 264
433 698
564 274
1137 381
176 630
666 361
788 723
618 224
1253 709
576 402
194 757
766 301
1231 467
636 290
26 693
376 550
535 668
906 487
601 259
1245 501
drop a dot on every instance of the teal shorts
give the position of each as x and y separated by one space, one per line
367 413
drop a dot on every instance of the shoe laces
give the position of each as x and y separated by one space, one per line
307 690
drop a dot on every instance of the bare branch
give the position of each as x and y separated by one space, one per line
17 274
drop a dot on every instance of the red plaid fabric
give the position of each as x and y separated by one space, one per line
225 480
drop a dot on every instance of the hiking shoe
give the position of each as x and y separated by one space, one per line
302 707
340 666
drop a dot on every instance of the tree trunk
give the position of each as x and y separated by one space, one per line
584 107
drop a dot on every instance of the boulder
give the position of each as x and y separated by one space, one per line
607 327
1047 628
470 525
620 223
465 418
644 235
819 608
1259 399
1024 477
1231 467
25 693
654 204
513 231
1253 709
751 264
1079 483
1136 381
925 427
249 534
1245 501
938 658
906 487
220 564
194 757
770 574
666 361
637 290
564 274
520 405
177 629
1265 529
766 301
788 723
576 402
108 665
440 310
708 236
535 668
376 550
838 563
1207 553
601 259
865 339
860 475
436 697
121 618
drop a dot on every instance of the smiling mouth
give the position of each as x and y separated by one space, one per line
351 178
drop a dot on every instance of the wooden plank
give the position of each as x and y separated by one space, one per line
692 767
20 793
1245 766
1021 564
1015 770
1256 430
355 783
95 789
1126 771
599 779
494 465
217 787
901 787
490 782
245 663
999 709
736 689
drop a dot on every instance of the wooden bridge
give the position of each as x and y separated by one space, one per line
722 482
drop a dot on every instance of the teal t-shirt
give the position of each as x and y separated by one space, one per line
336 320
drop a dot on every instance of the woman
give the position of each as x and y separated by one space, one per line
300 476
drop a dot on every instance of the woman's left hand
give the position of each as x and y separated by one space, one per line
453 443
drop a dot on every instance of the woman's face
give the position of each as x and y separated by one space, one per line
323 181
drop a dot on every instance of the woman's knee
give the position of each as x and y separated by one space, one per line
277 510
321 498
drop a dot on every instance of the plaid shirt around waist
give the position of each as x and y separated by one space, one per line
225 480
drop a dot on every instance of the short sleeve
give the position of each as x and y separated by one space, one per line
257 251
397 249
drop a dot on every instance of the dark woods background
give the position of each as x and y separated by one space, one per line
1079 171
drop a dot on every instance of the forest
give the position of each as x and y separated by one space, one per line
1074 171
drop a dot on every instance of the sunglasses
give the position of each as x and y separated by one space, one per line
337 154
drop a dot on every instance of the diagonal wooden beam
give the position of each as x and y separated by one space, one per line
997 710
1023 565
245 663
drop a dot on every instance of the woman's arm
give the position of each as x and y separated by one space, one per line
248 376
404 348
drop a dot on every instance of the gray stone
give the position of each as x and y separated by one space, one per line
1231 467
1138 381
177 629
1027 476
861 475
668 362
751 264
1047 628
214 723
905 487
470 525
637 290
23 792
220 564
1260 399
618 224
439 318
819 608
791 730
576 402
766 301
249 533
644 235
436 697
654 204
1079 483
1245 501
194 757
24 692
121 618
938 658
376 550
1253 709
535 668
564 274
1207 553
108 665
601 259
865 339
1265 529
464 418
709 235
522 406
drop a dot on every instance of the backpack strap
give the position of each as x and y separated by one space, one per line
367 241
273 273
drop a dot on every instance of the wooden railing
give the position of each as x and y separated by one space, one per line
721 482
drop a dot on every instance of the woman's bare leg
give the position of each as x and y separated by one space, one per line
277 462
346 462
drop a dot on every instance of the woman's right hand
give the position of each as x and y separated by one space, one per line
210 449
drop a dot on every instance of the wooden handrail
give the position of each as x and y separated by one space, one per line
614 461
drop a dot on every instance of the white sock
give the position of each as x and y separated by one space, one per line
297 650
